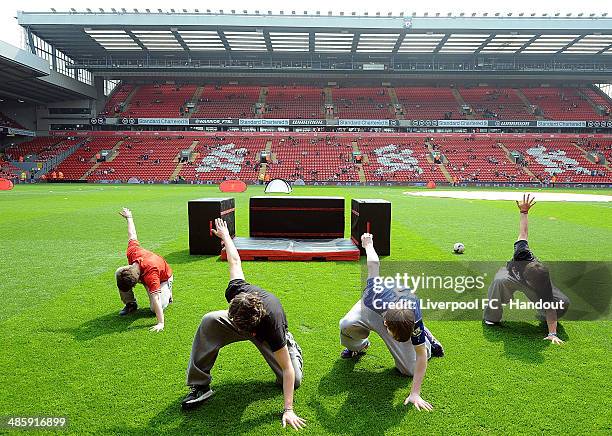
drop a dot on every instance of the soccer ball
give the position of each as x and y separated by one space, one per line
458 248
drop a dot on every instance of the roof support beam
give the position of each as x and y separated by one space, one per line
224 40
484 43
355 43
441 43
570 44
398 43
266 36
528 43
180 40
135 39
605 49
30 40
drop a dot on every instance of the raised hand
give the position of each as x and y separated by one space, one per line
367 240
289 417
125 213
221 230
526 204
419 403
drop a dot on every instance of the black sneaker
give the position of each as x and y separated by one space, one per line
129 308
196 397
436 347
349 354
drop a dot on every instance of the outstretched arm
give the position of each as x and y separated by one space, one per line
367 242
127 214
524 206
419 374
233 257
284 361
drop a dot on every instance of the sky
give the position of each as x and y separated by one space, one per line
11 32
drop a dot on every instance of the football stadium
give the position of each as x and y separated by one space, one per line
248 221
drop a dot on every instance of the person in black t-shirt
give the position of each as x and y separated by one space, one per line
527 274
254 315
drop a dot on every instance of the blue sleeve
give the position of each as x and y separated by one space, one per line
374 300
418 334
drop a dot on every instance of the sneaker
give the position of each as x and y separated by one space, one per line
348 354
436 347
490 323
196 397
129 308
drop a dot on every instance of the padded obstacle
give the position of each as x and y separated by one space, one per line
338 249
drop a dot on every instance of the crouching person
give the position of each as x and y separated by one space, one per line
395 315
147 268
254 315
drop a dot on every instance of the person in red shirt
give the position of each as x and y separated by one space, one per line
147 268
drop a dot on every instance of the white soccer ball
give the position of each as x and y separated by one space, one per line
458 248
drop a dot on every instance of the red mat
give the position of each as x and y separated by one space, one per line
295 249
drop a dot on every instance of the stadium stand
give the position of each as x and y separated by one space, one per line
496 103
231 101
561 103
294 102
9 122
219 158
76 165
308 102
159 100
362 103
39 149
119 96
429 103
315 159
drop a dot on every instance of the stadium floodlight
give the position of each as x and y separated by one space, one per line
208 11
53 10
353 13
580 14
233 11
591 15
88 10
342 13
172 10
159 11
486 14
605 14
473 14
533 14
123 10
282 12
389 14
378 14
450 14
115 10
497 14
509 14
148 11
569 15
318 12
545 14
269 12
72 10
329 12
437 14
462 14
136 11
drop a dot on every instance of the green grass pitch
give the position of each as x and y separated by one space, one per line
64 350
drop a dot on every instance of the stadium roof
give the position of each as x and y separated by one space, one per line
24 76
122 34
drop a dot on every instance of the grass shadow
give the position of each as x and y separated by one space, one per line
220 415
183 256
522 340
360 387
107 324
